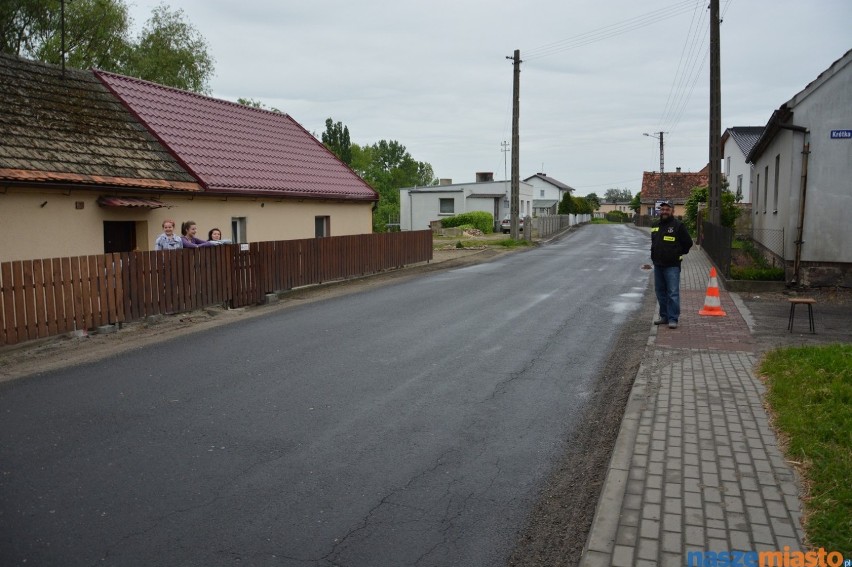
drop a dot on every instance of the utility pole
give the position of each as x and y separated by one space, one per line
715 190
504 149
516 174
660 136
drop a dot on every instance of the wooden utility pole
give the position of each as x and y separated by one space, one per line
516 173
715 190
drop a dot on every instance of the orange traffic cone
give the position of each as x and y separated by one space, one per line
712 305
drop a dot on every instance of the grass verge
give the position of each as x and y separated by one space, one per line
810 392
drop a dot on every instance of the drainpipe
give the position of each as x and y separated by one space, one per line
803 190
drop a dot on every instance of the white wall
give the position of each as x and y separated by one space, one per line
738 167
827 236
550 191
419 206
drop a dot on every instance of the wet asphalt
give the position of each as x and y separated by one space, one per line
411 424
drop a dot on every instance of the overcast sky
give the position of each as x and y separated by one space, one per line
434 76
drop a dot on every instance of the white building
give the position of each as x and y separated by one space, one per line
547 193
737 142
803 180
419 206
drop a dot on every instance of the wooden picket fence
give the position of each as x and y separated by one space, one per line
42 298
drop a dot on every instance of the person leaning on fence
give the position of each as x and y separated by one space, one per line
669 242
168 240
215 237
188 229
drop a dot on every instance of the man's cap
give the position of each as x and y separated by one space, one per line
667 204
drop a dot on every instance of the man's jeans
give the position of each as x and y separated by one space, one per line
667 286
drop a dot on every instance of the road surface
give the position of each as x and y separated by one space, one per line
411 424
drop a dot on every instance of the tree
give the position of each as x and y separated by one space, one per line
567 206
169 50
582 206
636 203
729 212
257 104
617 195
336 139
594 201
96 31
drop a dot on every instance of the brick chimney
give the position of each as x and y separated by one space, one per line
445 181
484 176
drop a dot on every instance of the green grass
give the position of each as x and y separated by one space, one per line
810 392
511 243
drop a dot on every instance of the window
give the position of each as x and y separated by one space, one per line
757 195
322 227
448 206
238 230
541 193
775 183
765 188
739 186
727 166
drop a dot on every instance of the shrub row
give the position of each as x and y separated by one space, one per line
477 219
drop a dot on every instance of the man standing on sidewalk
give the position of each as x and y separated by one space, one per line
669 242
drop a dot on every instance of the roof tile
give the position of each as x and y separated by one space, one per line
234 148
72 130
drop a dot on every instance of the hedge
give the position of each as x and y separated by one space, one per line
478 219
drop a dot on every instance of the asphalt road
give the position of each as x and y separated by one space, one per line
411 424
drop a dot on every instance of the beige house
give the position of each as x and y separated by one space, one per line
92 162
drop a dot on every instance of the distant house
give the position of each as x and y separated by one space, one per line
419 206
611 206
93 162
737 142
677 187
547 193
802 194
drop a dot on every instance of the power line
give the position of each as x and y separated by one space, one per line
609 31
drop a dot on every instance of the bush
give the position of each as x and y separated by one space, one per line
757 273
617 216
476 219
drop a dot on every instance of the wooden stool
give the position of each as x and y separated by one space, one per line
794 301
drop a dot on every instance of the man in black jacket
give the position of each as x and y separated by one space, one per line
669 242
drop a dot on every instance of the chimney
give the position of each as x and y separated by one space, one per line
445 181
678 170
484 176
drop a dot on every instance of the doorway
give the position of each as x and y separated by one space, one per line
119 236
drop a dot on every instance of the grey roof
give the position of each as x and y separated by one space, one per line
544 203
71 130
745 136
486 195
552 181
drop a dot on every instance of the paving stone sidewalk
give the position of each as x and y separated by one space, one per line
696 466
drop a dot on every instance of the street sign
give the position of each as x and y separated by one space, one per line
841 134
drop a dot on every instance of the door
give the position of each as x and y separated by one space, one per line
119 236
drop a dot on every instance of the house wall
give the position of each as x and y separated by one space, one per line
420 206
58 229
738 167
828 203
541 189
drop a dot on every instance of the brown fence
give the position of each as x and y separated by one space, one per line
42 298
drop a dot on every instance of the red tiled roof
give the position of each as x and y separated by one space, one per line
237 149
677 185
